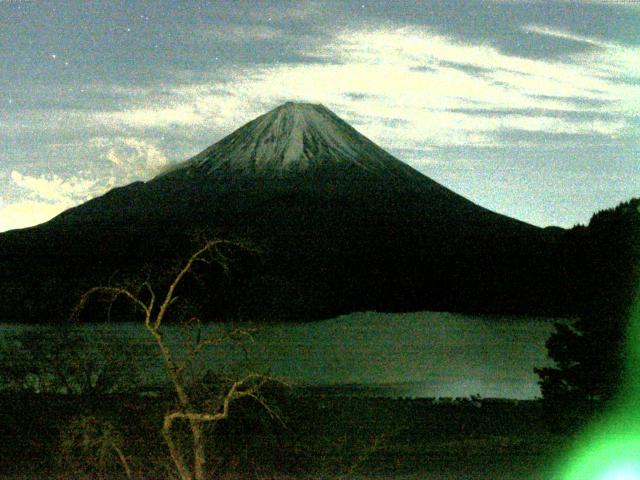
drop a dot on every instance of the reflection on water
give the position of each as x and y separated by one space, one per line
424 354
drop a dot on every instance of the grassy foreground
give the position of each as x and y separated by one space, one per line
308 436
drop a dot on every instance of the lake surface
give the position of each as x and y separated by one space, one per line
424 354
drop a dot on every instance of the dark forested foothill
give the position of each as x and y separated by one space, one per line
322 261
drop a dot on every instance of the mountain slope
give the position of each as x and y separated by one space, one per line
342 225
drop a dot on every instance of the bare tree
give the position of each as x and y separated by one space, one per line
67 360
196 414
87 437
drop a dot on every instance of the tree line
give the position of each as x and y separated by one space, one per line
591 352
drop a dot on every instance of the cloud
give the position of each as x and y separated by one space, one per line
135 159
43 196
615 59
551 32
410 87
26 213
53 188
177 114
129 159
491 77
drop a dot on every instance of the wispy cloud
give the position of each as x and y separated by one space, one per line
134 159
25 213
43 196
170 115
426 80
552 32
53 188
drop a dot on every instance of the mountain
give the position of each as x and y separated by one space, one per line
341 225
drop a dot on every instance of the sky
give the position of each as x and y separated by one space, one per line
531 109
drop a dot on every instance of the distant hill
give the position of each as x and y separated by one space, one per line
340 224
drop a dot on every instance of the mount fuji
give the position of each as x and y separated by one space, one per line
341 224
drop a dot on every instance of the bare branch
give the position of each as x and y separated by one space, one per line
187 267
123 460
272 413
152 294
238 390
115 292
174 451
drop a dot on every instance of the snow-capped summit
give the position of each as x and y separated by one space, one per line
296 137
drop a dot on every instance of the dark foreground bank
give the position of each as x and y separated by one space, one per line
303 436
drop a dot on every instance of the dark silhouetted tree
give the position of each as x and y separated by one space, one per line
589 353
68 360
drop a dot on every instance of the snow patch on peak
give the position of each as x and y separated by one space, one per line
295 137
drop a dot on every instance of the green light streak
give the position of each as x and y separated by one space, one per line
610 449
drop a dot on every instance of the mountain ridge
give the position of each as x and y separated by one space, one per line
343 225
293 147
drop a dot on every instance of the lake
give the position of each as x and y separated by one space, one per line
423 354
